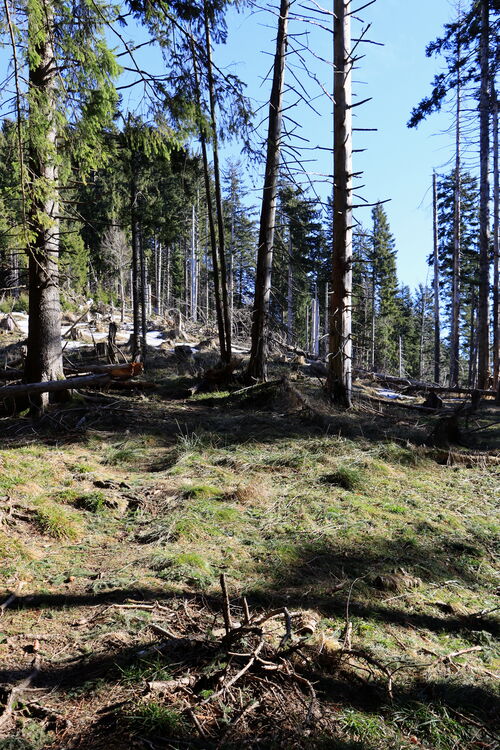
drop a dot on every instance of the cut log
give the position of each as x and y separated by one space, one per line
127 370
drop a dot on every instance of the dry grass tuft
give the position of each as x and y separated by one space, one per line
252 492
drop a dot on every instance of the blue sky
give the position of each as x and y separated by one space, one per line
398 162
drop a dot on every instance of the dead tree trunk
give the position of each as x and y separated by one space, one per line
257 367
437 327
457 206
44 355
289 292
484 195
340 354
143 296
135 280
496 249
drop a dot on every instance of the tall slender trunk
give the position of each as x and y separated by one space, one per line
143 296
422 332
210 215
484 196
315 322
194 268
373 321
472 339
257 367
437 325
226 355
340 365
159 278
496 249
44 355
136 262
289 293
457 210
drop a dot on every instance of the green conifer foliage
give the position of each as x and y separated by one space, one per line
383 262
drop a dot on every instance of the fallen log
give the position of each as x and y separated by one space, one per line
127 370
51 386
395 402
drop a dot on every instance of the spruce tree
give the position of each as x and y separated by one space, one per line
385 284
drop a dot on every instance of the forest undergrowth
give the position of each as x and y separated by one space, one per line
358 604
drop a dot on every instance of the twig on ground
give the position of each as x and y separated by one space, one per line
17 690
11 598
225 607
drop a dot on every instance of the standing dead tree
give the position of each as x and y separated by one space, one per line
257 367
340 354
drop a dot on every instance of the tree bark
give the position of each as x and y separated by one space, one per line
457 206
484 194
257 367
44 354
134 225
226 355
340 354
210 215
437 326
496 249
289 292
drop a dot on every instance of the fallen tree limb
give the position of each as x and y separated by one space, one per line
67 334
396 402
15 691
11 598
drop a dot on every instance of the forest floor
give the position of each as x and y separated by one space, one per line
374 559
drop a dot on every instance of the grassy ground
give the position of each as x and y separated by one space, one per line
125 521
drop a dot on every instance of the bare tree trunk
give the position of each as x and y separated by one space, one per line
340 354
472 340
226 355
289 293
315 322
257 368
422 327
373 323
496 249
437 325
457 206
210 215
484 193
136 261
143 297
167 274
44 355
159 278
193 268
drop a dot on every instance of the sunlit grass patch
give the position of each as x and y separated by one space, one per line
184 567
57 521
157 718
